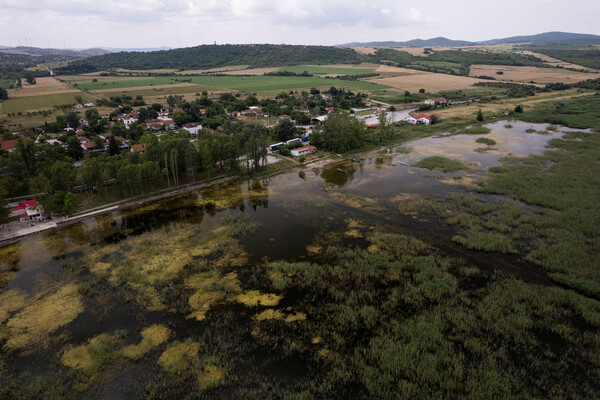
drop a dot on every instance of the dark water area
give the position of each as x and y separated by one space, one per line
299 215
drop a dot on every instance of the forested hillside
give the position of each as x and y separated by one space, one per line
266 55
588 57
211 56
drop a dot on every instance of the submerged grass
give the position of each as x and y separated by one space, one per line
438 163
476 130
487 141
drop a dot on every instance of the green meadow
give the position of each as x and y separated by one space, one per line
22 104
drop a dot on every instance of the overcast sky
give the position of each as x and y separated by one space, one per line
183 23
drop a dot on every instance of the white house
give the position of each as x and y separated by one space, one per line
419 119
436 101
301 151
129 119
193 127
89 105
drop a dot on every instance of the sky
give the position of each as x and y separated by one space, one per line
184 23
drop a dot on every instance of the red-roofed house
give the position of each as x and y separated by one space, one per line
88 146
366 102
330 110
301 151
8 145
138 148
285 116
28 210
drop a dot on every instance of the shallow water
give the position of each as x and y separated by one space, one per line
299 213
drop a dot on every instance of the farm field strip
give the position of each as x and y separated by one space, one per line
41 102
528 74
43 86
328 70
413 80
245 83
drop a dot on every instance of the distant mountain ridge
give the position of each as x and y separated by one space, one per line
68 53
542 38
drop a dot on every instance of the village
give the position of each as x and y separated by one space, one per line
291 118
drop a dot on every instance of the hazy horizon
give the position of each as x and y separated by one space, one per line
183 23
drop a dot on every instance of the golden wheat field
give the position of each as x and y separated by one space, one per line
413 80
530 74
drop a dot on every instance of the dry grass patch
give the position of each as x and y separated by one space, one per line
364 50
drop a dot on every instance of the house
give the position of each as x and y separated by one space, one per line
366 102
253 111
55 142
301 151
193 127
89 105
88 147
319 120
154 124
436 101
138 148
28 210
84 122
8 145
124 142
330 110
164 112
326 96
78 106
285 116
419 119
129 118
169 124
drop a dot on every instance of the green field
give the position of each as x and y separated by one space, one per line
245 83
318 70
23 104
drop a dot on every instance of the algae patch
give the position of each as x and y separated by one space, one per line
254 298
10 301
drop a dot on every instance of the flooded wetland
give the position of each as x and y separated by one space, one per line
357 278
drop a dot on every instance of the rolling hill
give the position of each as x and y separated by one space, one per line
542 38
